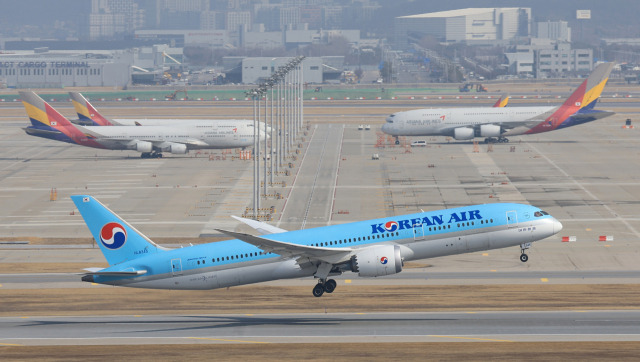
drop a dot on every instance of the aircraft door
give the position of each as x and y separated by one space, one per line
418 232
176 267
512 219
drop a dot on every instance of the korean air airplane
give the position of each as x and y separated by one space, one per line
88 115
371 248
150 141
497 123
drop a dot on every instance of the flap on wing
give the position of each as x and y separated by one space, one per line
330 255
261 227
121 273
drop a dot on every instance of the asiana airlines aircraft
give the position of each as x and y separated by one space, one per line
498 123
371 248
88 115
150 141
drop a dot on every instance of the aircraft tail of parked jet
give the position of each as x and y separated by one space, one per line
585 96
503 101
117 239
87 113
49 123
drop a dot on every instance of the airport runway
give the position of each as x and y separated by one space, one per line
586 176
408 277
521 326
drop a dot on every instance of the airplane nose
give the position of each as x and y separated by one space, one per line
557 226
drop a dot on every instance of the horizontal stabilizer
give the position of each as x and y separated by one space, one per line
261 227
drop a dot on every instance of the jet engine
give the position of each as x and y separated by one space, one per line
490 130
141 146
377 261
463 133
175 148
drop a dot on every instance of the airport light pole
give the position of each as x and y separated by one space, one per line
288 119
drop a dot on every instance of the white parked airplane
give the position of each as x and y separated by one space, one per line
88 115
151 141
497 123
371 248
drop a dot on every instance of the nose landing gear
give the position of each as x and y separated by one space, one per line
524 257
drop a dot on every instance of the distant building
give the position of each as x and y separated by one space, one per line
255 70
66 69
555 30
471 25
543 58
110 18
562 59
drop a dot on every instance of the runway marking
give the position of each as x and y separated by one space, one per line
227 340
472 338
11 344
347 281
544 280
584 189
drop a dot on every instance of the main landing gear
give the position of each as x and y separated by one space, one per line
496 140
397 140
151 155
324 286
524 257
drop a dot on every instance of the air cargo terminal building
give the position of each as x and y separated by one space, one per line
44 69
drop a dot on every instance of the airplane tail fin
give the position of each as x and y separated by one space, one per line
45 117
36 110
502 102
595 84
86 111
118 240
41 113
585 96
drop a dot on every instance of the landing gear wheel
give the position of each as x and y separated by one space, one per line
318 290
330 285
145 155
524 257
397 141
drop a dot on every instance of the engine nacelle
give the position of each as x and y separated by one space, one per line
377 261
490 130
175 148
141 146
463 133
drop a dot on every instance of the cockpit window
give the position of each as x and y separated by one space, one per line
540 213
389 120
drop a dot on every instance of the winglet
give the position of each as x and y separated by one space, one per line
261 227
